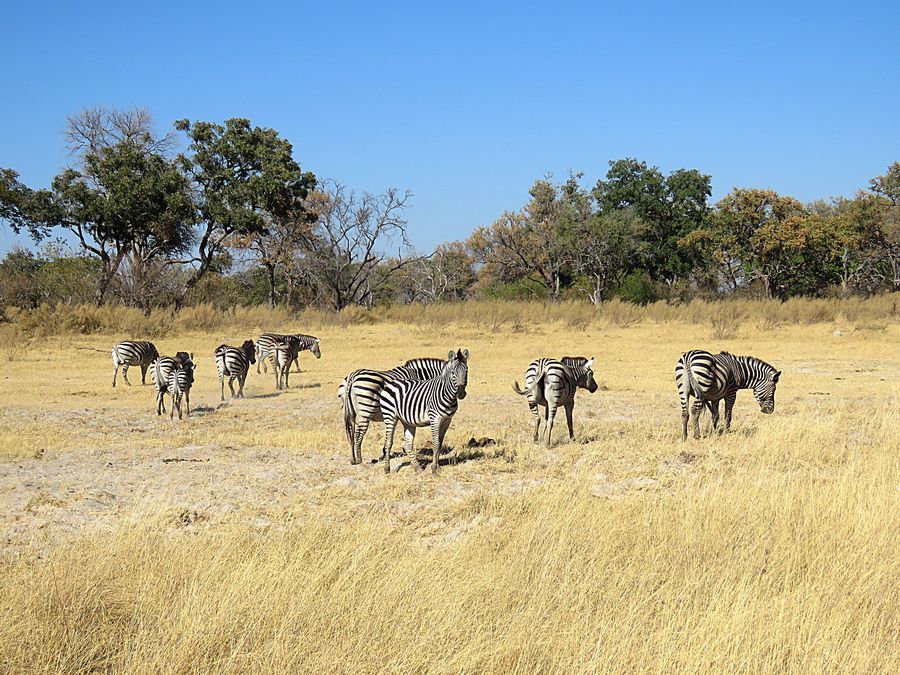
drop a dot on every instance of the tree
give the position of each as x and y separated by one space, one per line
533 244
348 241
244 178
603 249
671 207
448 274
19 205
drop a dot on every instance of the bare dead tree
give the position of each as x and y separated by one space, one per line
350 240
94 129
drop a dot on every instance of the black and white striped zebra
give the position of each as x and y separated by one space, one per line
360 390
133 353
161 371
299 342
180 382
282 356
234 363
712 377
552 383
424 403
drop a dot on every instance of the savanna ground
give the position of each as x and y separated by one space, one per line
241 539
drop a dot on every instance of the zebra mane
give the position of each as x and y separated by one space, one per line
574 360
749 359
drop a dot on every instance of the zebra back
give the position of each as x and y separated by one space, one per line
134 353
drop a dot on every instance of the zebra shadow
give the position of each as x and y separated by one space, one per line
202 410
449 456
313 385
273 394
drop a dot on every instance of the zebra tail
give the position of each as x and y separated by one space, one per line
527 392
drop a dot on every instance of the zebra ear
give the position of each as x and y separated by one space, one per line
450 355
590 363
192 356
463 355
776 376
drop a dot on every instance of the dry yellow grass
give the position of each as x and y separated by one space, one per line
773 548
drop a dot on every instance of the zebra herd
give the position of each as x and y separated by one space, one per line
174 376
425 392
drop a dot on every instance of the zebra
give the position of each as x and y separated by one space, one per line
359 393
162 370
180 382
133 353
234 362
282 355
713 377
551 383
265 344
420 403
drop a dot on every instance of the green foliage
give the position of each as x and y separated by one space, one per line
639 288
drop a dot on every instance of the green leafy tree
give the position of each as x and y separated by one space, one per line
670 207
603 249
243 178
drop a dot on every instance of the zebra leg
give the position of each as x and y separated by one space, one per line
230 386
696 409
174 405
144 374
389 424
160 402
286 371
714 411
436 443
277 379
729 406
533 407
115 372
551 415
409 446
187 402
241 379
362 427
685 416
296 364
125 374
570 407
445 424
222 382
258 358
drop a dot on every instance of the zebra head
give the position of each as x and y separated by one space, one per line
314 348
250 350
583 369
458 370
764 390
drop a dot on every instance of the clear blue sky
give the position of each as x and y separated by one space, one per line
466 104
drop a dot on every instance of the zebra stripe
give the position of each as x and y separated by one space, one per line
133 353
234 362
552 383
421 403
180 382
712 377
299 342
360 392
162 370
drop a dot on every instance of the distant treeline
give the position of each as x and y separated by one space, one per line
233 220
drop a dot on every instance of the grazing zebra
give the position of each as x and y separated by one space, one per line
551 383
234 362
133 353
713 377
421 403
180 382
265 345
282 355
162 370
360 392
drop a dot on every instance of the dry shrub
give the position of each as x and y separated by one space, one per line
723 316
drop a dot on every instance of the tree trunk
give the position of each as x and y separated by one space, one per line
270 268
